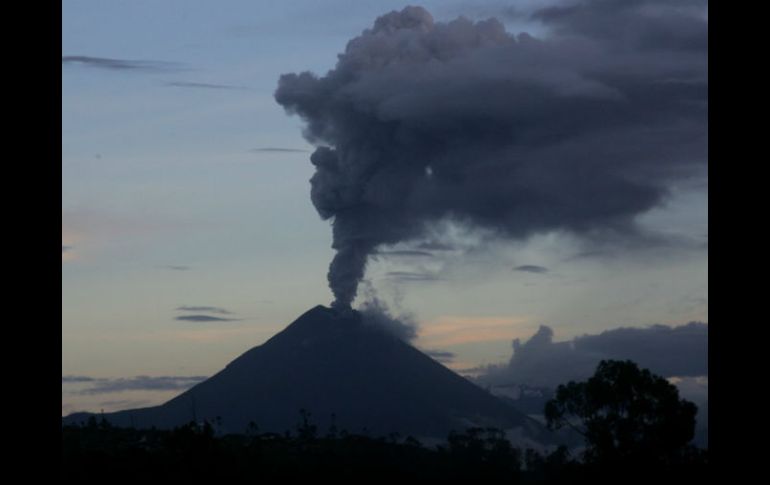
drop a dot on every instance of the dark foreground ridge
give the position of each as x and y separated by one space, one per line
346 374
192 452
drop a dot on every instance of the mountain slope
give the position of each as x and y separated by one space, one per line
333 364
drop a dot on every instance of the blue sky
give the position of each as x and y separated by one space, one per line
173 195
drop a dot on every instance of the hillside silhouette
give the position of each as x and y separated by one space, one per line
345 373
654 448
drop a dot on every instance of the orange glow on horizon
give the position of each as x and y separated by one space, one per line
453 329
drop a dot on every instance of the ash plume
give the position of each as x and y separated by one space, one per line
375 312
582 130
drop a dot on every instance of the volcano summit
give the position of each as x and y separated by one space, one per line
345 372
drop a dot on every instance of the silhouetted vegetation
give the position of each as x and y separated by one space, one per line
625 413
636 430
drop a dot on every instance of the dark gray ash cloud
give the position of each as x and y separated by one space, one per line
205 309
581 131
141 383
185 84
531 268
677 25
376 313
668 351
435 246
204 318
121 64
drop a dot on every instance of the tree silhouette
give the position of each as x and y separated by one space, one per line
625 413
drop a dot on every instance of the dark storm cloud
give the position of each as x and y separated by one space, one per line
582 131
667 351
120 64
531 268
142 383
645 24
184 84
204 318
205 309
277 150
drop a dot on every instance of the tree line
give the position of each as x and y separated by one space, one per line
635 429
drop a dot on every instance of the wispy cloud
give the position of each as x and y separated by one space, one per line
455 330
436 246
440 355
121 404
405 252
186 84
91 233
411 276
204 318
73 379
138 383
175 267
121 64
531 268
277 150
204 309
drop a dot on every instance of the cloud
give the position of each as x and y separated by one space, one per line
411 276
121 404
73 379
64 248
404 252
440 355
581 131
139 383
120 64
277 150
435 246
176 267
375 312
646 25
205 309
531 268
667 351
204 318
185 84
93 233
459 329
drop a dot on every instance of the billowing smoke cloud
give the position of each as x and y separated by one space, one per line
580 131
375 312
668 351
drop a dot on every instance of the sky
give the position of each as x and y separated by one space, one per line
189 235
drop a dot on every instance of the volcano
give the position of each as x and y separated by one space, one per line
344 372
